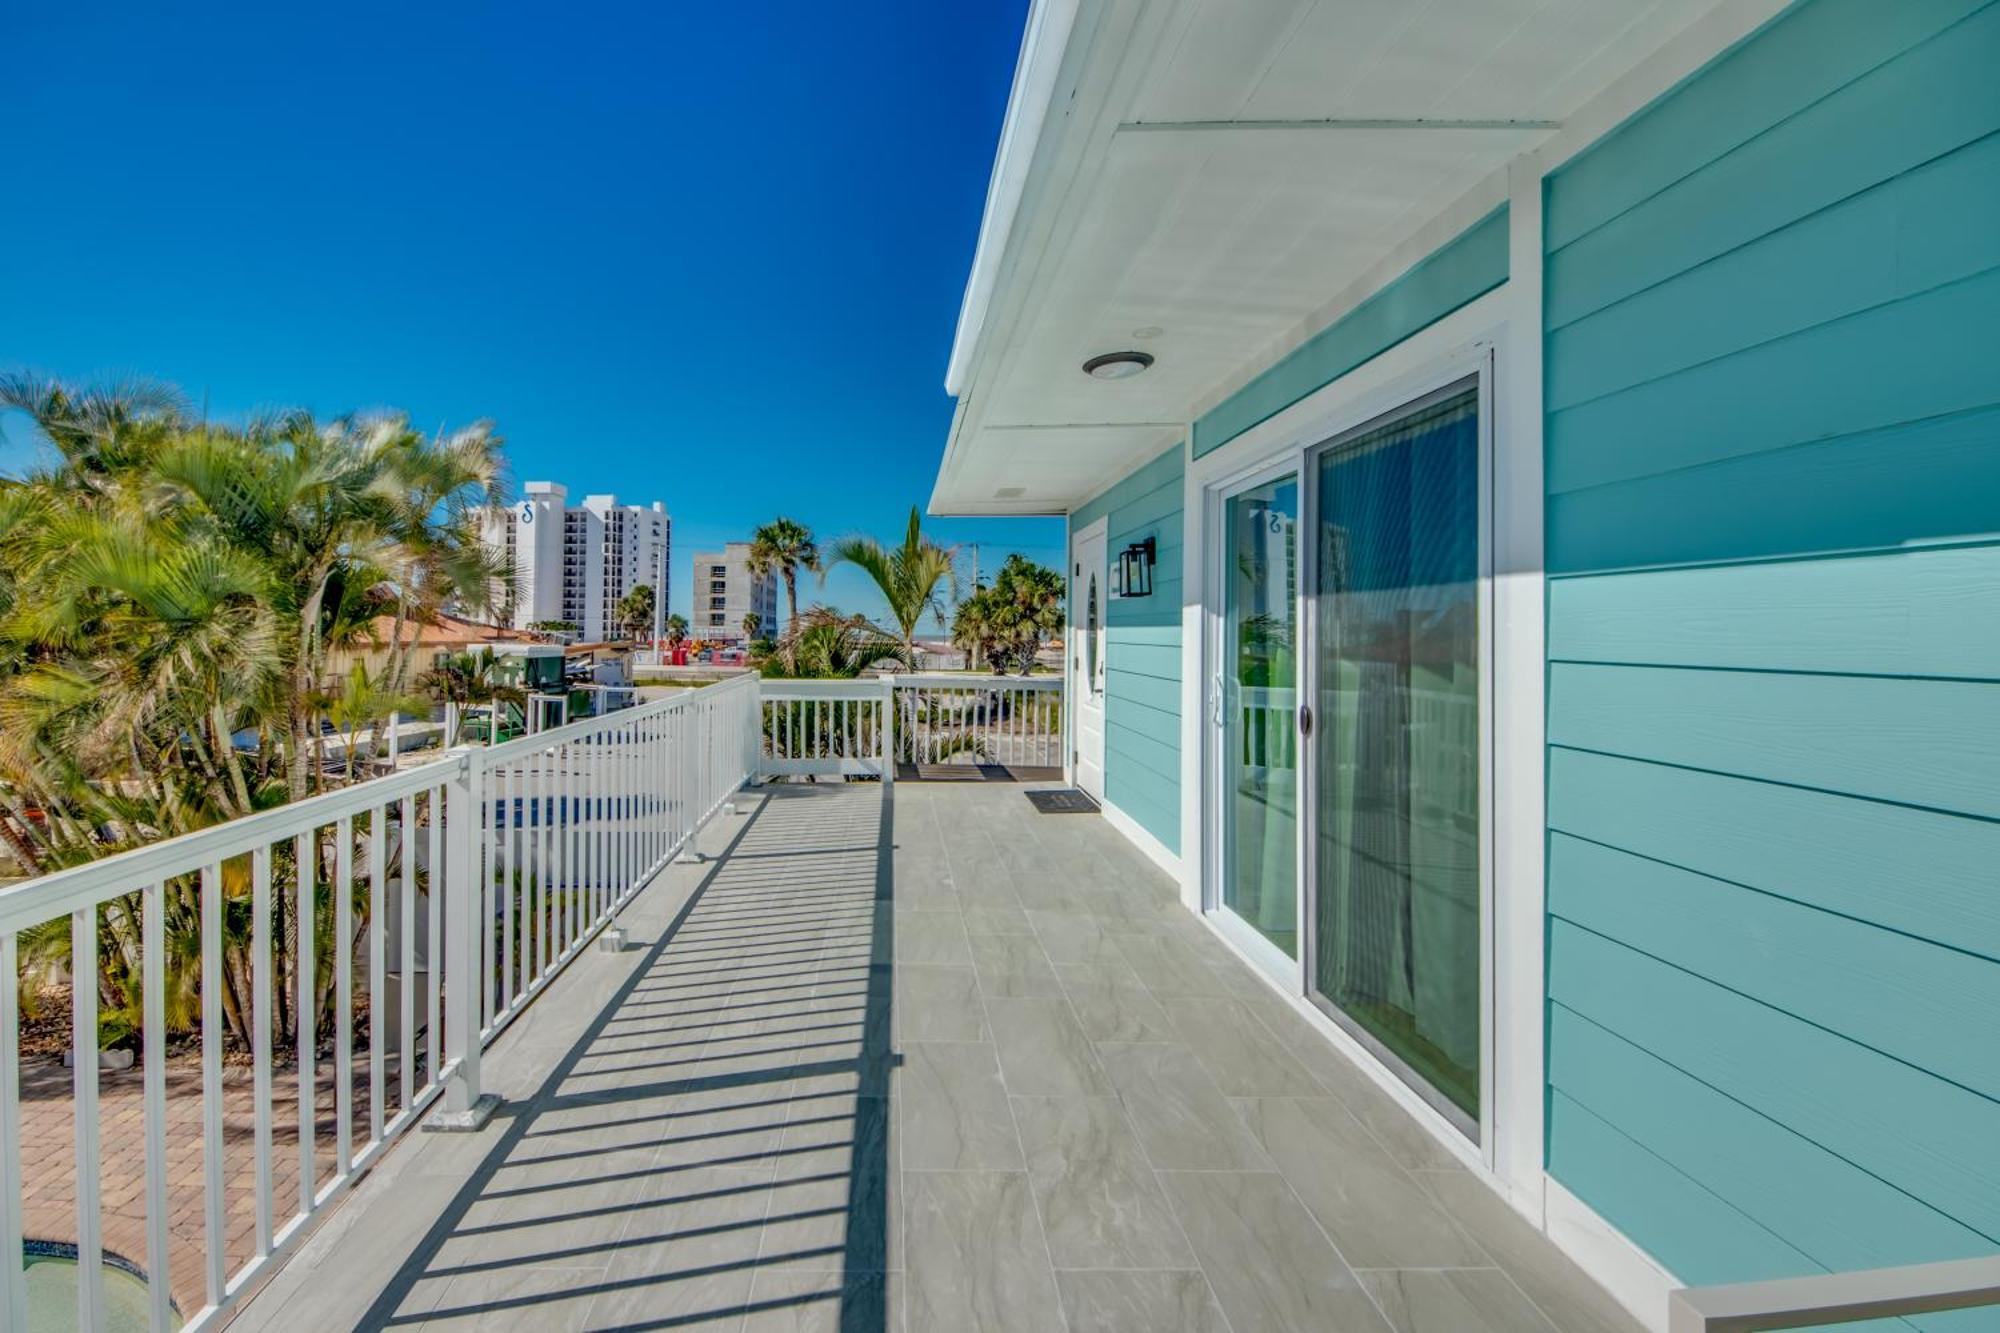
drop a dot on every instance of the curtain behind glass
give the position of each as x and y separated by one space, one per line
1397 894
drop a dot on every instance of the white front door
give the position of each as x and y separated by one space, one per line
1089 600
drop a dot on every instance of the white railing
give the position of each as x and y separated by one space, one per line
828 727
1837 1298
866 727
429 906
1010 721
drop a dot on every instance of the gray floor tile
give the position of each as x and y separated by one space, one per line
1101 1204
932 937
1170 966
1572 1302
517 1298
689 1253
1267 1261
988 917
939 1004
1042 1050
834 1191
789 1302
1181 1117
1112 1011
1376 1213
1453 1300
1240 1054
1013 965
977 1259
1073 937
952 1108
1133 1302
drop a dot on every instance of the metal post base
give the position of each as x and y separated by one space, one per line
688 856
470 1121
612 940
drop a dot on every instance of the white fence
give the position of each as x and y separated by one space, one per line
447 896
866 727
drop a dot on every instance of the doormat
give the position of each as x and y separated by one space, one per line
1063 801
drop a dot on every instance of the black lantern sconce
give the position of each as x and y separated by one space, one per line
1135 570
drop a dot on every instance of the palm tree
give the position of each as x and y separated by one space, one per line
635 610
908 575
782 548
1008 622
825 645
752 622
367 701
676 629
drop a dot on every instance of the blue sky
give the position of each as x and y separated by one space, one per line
706 254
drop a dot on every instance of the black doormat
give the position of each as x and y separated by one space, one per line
1063 801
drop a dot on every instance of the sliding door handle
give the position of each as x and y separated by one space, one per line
1305 720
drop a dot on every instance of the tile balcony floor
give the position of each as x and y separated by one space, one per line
924 1060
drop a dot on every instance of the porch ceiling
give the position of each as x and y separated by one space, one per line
1210 177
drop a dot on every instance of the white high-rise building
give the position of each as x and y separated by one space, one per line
576 563
725 591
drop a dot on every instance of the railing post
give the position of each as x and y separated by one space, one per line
466 1107
886 733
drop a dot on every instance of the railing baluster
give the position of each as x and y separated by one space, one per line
83 1047
13 1264
544 863
153 987
378 965
343 996
406 995
434 933
211 1077
305 849
260 1037
507 783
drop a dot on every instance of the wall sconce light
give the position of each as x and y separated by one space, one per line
1135 569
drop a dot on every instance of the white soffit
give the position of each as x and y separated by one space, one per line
1263 157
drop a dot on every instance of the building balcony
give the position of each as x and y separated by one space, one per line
864 1052
918 1057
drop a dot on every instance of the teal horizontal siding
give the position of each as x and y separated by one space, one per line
1142 666
1895 993
1455 274
1897 239
1760 84
1826 851
1893 613
1904 484
1837 1215
1773 535
1684 1226
1929 100
1932 743
1857 1103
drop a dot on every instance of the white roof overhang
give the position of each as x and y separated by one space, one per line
1210 181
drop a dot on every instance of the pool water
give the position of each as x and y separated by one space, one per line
52 1283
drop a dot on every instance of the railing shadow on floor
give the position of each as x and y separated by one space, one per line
862 1254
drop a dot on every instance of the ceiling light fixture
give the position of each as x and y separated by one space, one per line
1116 365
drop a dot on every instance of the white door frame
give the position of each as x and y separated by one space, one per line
1478 337
1077 690
1214 580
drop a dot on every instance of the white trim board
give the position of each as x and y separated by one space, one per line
1154 850
1611 1258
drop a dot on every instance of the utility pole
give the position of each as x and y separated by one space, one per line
660 601
975 566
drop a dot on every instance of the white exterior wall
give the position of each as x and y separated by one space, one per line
739 595
576 563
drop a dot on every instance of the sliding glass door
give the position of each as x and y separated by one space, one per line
1257 678
1394 828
